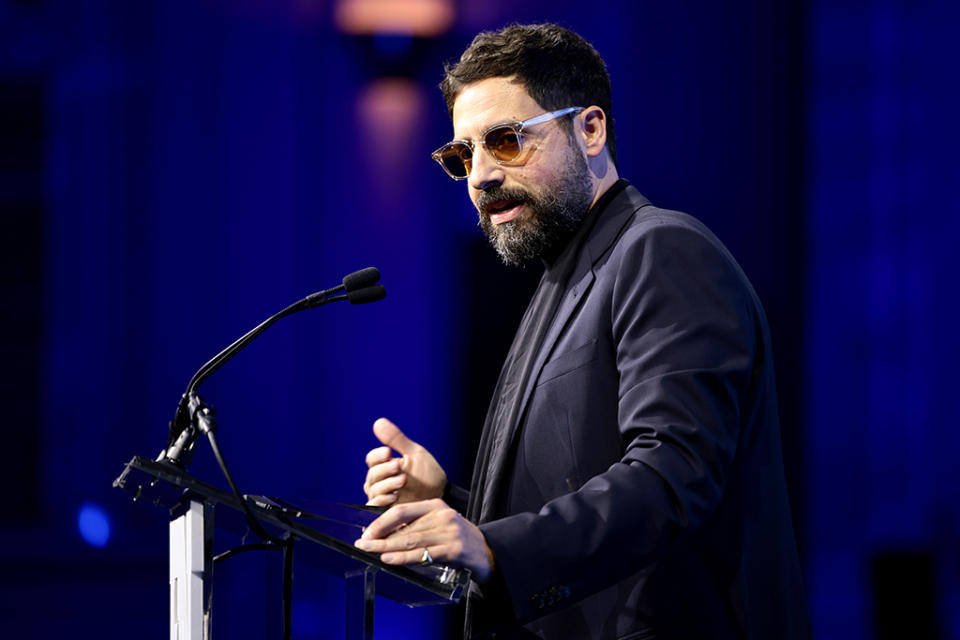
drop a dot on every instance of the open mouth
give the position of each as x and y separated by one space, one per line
504 210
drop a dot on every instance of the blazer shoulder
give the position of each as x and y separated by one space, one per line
630 216
663 245
652 224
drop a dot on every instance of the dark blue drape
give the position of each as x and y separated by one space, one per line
174 172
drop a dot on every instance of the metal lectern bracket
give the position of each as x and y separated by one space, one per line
191 569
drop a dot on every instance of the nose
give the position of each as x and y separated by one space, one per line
485 172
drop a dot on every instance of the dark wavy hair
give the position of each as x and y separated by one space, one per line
556 66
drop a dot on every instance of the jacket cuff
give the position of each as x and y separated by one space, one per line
456 497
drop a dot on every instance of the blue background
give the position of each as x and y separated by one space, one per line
173 172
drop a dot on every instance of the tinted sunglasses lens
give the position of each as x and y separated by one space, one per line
456 159
503 143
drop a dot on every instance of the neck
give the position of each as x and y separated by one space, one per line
604 175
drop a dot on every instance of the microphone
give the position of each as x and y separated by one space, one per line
367 294
363 279
359 287
358 296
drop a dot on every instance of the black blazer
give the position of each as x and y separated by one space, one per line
642 494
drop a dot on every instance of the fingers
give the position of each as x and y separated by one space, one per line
390 435
382 471
401 515
402 533
383 481
438 553
406 546
382 500
385 492
413 475
378 456
409 529
387 485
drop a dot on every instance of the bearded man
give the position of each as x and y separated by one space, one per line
629 481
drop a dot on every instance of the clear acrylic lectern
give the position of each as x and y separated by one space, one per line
324 537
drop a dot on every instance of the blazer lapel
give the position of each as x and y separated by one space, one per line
607 229
575 293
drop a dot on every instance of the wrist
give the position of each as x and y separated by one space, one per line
491 564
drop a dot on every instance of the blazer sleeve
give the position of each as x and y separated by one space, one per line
683 324
456 497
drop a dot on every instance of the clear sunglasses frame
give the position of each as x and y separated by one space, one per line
515 127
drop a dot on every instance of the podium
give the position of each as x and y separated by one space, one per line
324 538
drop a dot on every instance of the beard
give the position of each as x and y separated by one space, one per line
554 212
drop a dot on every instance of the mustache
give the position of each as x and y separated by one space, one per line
499 194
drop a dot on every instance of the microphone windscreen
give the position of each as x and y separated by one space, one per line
367 294
360 279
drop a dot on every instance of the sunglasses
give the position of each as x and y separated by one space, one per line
503 141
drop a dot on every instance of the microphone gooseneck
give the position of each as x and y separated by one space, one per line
194 417
360 287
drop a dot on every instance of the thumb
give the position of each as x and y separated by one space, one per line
390 435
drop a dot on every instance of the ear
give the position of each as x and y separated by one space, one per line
593 130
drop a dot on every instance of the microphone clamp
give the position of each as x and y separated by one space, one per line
199 418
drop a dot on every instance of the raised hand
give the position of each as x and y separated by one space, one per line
414 475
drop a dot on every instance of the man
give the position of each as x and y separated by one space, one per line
629 482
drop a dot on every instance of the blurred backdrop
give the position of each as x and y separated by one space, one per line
172 172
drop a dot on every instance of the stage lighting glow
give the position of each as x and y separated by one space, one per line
389 112
422 18
94 525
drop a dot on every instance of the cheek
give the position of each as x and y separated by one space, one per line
532 174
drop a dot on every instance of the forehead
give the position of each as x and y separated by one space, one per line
488 102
